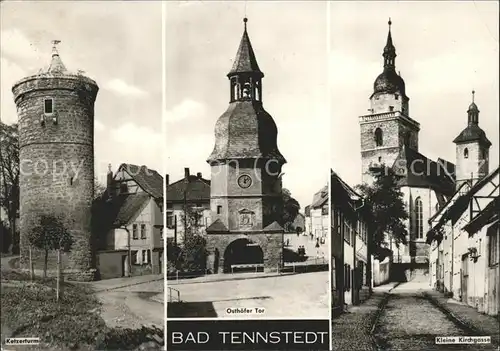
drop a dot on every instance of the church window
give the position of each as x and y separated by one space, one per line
48 106
466 153
419 220
378 137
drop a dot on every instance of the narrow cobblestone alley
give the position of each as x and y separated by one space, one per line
402 319
409 321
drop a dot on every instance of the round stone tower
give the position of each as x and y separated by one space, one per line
56 140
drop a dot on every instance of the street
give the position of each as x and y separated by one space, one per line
405 318
131 302
298 295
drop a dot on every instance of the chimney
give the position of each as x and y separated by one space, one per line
186 173
198 175
167 179
109 181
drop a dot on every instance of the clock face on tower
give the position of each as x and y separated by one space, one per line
244 181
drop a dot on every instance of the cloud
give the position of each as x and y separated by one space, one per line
10 73
15 43
137 136
191 153
129 143
187 110
120 87
99 126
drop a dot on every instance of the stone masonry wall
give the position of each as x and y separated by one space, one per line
394 131
270 243
57 161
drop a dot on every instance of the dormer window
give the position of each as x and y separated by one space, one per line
466 153
48 106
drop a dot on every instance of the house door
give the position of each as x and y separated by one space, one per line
124 265
160 260
464 277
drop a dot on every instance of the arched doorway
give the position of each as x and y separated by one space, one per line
243 255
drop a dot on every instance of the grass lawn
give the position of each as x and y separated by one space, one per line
30 310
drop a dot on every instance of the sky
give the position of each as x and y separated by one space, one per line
444 51
118 44
202 40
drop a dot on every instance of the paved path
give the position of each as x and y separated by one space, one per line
131 302
352 330
409 320
469 316
298 296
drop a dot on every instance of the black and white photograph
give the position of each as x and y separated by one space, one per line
247 187
415 177
81 176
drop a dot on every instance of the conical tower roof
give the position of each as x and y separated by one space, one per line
245 61
56 65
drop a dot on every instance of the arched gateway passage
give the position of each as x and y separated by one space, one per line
243 255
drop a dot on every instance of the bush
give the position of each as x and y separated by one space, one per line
129 339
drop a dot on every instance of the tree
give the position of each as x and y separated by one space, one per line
9 174
5 238
386 209
99 188
193 256
50 234
291 209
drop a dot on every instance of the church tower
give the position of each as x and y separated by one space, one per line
388 127
56 151
472 147
246 200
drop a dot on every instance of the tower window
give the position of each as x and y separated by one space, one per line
378 137
419 220
48 106
466 153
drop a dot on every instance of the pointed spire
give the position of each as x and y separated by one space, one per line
245 61
389 50
56 65
473 111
